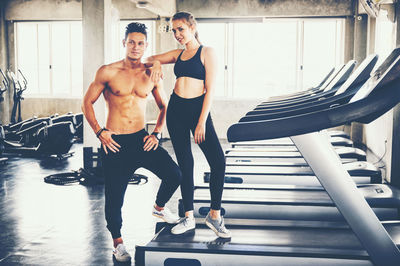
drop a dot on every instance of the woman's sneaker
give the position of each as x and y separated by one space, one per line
218 226
166 215
186 224
121 254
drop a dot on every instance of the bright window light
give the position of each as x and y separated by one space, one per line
50 56
213 35
264 59
320 41
273 56
384 37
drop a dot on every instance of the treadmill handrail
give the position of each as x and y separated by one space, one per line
357 78
329 89
301 94
377 101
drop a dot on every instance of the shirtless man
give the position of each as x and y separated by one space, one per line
126 145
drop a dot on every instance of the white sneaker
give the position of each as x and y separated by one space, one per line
121 254
218 226
166 215
183 226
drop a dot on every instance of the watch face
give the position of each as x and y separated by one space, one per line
157 135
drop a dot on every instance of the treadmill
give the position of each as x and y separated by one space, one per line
319 89
347 154
329 90
311 90
366 241
342 95
250 173
342 140
307 93
330 85
265 152
240 201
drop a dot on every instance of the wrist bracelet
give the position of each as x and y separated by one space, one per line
98 133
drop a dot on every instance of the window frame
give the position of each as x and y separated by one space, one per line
70 95
229 90
50 94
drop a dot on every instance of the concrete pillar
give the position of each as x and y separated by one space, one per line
97 42
395 147
371 35
360 45
5 105
166 42
360 37
349 39
348 51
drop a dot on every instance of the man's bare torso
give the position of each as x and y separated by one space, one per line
126 94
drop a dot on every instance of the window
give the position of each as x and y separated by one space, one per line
214 35
272 56
50 56
264 58
322 49
384 36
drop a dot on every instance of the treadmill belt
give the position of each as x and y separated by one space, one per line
340 244
289 204
306 180
378 195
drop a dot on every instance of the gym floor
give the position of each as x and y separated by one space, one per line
45 224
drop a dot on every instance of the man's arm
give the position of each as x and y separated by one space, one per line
151 142
165 58
159 96
92 94
156 61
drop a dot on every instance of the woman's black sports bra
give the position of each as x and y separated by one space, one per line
192 67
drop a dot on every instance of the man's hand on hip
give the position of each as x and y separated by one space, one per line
150 143
108 142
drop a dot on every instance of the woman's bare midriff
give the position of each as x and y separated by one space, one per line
187 87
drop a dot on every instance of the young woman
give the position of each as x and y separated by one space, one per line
189 110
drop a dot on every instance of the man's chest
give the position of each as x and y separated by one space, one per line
125 84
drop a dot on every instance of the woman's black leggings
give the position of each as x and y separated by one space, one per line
182 117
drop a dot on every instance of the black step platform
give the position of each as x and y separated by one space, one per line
258 243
